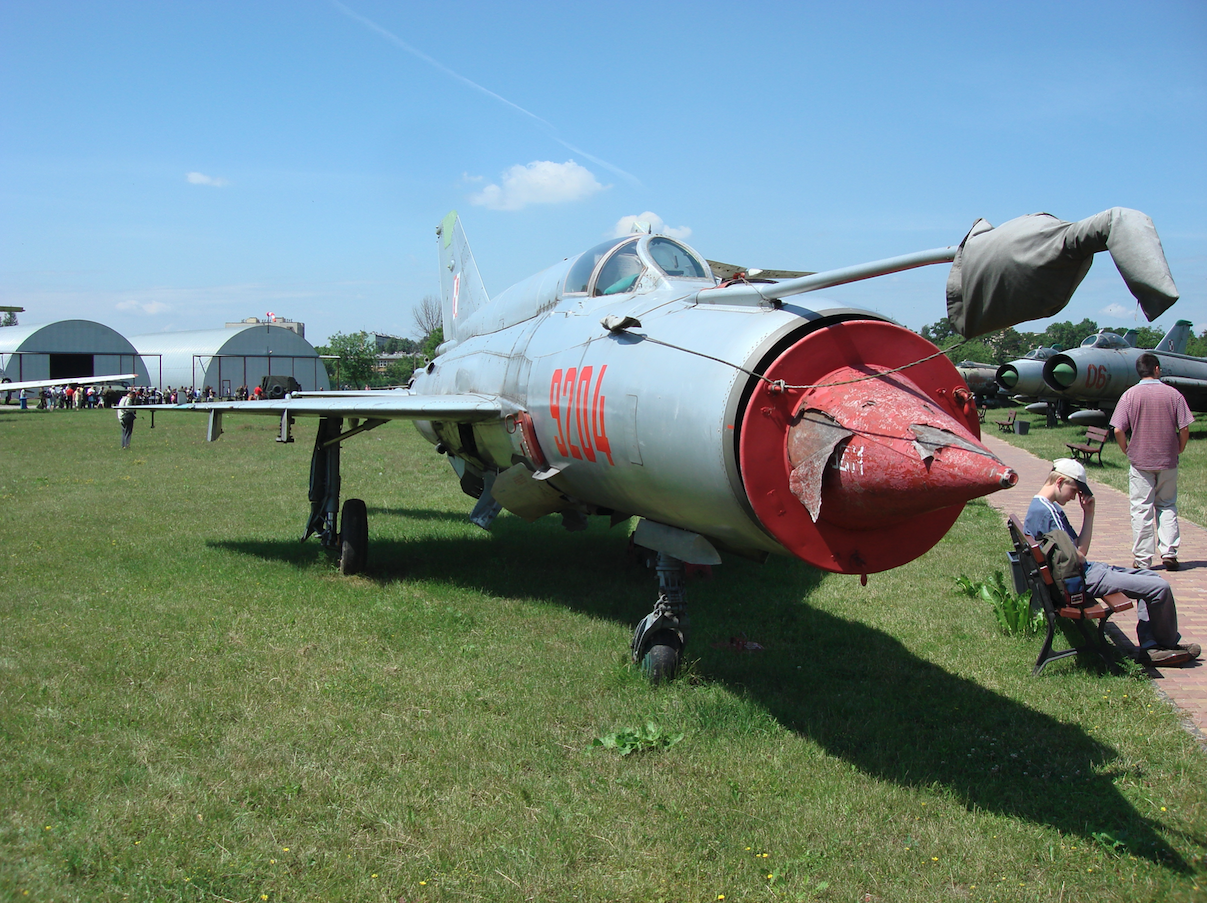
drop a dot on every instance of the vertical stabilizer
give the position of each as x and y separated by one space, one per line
1175 340
462 291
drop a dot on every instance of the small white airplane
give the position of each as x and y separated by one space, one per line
8 386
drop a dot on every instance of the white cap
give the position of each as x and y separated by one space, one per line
1075 471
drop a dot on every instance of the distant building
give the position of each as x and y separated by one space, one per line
66 349
384 361
272 320
225 359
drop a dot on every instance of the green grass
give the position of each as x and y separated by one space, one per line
196 707
1050 442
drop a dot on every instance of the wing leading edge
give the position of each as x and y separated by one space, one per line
367 406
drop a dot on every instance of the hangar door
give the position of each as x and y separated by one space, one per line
65 366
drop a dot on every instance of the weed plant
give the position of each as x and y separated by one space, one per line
1012 610
194 706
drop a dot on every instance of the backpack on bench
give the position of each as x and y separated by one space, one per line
1064 563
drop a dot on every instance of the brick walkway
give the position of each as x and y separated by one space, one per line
1186 687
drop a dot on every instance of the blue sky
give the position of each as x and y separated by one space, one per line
175 165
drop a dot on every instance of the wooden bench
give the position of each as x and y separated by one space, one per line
1059 605
1007 425
1095 438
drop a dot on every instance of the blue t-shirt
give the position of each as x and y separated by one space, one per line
1044 516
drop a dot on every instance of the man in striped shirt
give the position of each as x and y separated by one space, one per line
1152 425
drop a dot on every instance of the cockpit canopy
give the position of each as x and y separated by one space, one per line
1041 354
1104 340
616 265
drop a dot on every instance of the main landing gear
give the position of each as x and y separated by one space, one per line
661 636
351 542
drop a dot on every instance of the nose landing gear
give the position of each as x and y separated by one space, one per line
661 636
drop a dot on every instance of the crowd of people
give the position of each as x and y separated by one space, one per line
83 397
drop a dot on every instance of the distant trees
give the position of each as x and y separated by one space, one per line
1197 345
1010 344
428 317
359 352
357 359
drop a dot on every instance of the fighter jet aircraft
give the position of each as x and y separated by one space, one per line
630 382
1103 367
1024 378
980 378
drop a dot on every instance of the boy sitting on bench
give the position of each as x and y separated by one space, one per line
1157 628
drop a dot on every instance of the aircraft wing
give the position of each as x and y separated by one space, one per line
71 381
1195 390
380 405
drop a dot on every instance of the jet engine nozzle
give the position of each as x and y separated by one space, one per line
868 457
1007 376
1060 372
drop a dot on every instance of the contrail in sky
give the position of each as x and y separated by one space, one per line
419 54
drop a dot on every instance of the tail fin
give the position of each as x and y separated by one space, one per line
1175 339
1131 337
461 285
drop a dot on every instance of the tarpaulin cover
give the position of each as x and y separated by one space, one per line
1028 268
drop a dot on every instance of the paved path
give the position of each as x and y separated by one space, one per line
1186 687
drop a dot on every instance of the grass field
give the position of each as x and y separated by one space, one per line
196 707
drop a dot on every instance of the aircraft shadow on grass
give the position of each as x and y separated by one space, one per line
853 689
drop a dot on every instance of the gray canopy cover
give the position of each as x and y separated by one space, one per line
1028 268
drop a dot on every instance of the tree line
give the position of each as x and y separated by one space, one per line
1010 344
356 353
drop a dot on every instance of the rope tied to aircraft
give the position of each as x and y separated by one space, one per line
779 385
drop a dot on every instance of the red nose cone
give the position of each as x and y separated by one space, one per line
904 455
857 469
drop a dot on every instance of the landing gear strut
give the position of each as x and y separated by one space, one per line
662 634
352 541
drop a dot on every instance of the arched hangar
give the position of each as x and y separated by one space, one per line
66 349
225 359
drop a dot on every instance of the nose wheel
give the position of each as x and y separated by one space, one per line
661 636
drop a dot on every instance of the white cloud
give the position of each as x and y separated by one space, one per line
147 307
200 178
1118 311
540 182
625 225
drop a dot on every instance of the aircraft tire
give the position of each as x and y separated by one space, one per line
661 659
353 538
